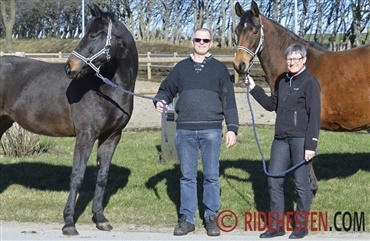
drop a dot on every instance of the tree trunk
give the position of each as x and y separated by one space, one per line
232 24
356 24
8 22
223 28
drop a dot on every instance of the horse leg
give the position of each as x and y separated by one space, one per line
82 151
5 123
105 153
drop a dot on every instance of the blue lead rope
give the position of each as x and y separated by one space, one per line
282 174
164 113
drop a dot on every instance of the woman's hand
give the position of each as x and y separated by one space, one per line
308 155
249 81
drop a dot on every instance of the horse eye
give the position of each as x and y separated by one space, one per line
255 31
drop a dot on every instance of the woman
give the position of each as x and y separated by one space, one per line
297 105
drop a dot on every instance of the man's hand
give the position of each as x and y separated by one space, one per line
160 104
230 139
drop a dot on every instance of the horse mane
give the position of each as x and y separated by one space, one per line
296 38
318 46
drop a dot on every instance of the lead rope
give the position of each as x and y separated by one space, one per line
259 146
164 112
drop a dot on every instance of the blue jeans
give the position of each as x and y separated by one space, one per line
188 143
285 152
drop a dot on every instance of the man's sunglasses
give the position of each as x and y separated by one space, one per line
198 40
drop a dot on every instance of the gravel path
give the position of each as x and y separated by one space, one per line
31 231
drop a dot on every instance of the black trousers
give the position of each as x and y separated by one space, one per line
284 153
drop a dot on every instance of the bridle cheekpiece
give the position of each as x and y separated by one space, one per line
104 50
258 50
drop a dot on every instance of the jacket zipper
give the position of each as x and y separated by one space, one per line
295 118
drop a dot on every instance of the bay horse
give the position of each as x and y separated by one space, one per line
42 99
344 76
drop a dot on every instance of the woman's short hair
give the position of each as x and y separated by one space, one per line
296 48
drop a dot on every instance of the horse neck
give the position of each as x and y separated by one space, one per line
120 74
272 57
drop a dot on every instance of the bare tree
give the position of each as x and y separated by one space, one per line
223 23
341 21
232 24
303 18
318 33
357 7
8 16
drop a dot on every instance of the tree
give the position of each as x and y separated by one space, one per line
8 20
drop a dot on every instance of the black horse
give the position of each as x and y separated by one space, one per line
40 98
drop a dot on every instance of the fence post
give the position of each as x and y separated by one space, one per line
175 55
20 54
60 55
236 76
149 69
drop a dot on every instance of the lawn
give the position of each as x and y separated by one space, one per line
143 190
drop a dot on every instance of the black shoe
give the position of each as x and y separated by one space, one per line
270 233
211 226
183 227
298 234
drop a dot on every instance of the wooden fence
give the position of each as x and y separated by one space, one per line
147 61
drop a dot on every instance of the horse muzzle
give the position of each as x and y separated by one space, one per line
241 67
73 67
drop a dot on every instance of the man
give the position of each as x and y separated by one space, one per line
205 98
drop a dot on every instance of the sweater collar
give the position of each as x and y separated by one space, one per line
199 66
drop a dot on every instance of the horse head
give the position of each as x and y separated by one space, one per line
95 49
250 37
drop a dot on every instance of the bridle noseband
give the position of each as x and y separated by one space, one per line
258 50
104 50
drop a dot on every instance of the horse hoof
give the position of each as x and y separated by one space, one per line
70 231
104 226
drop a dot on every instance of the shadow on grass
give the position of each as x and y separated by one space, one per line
49 177
172 177
327 166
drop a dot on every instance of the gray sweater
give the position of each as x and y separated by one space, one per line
205 95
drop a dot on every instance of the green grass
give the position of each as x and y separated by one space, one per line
145 191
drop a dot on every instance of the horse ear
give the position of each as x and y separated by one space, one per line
239 10
254 9
95 10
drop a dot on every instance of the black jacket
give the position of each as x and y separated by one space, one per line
297 105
